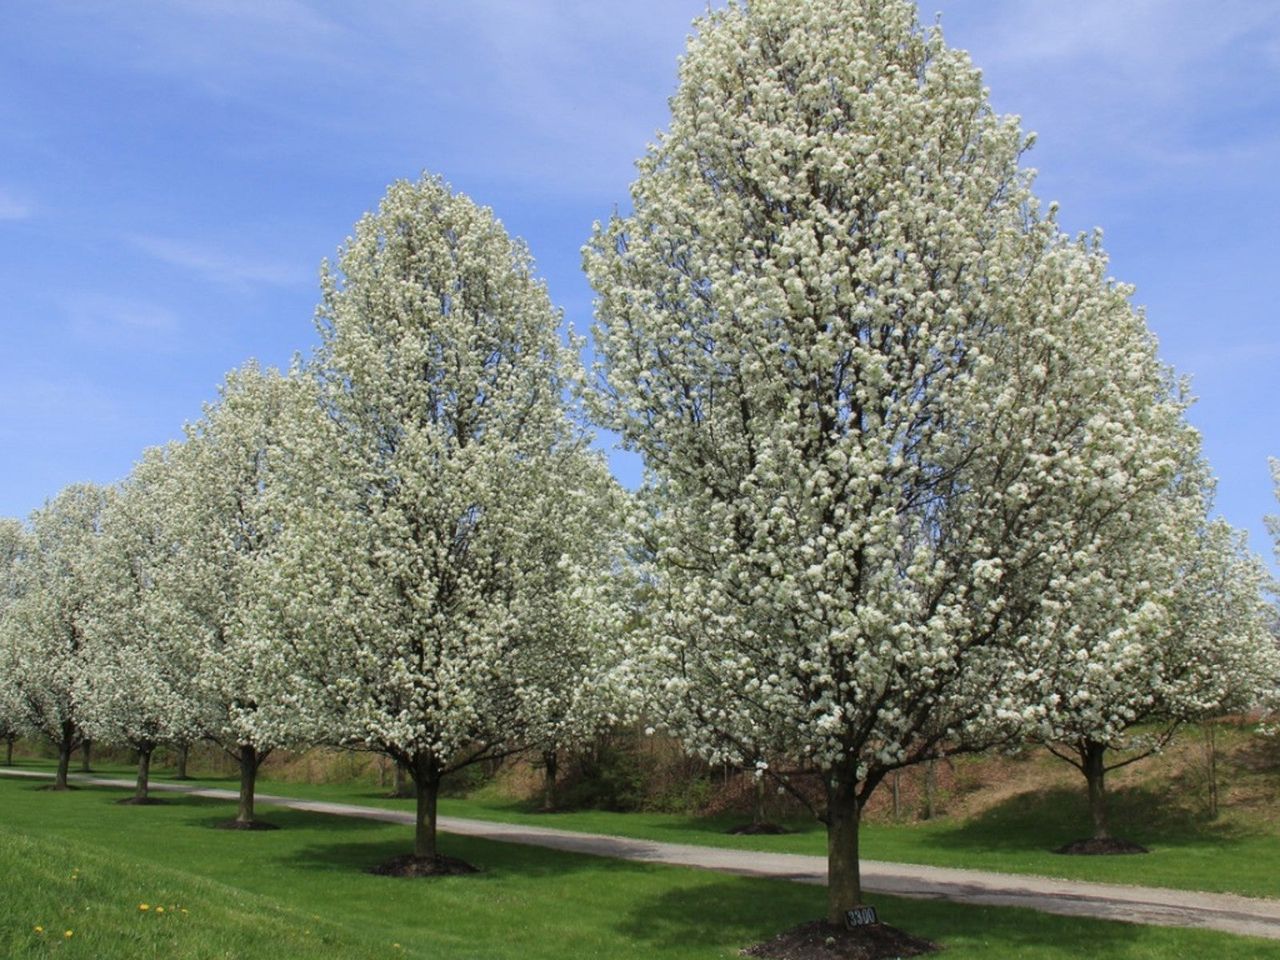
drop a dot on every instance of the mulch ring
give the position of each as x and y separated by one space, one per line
758 829
243 825
408 865
140 801
1101 847
819 940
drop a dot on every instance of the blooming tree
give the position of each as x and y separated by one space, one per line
14 546
44 628
225 476
575 615
430 584
876 391
138 685
1169 625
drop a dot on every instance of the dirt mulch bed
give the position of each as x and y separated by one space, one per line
140 802
758 829
241 825
407 865
819 940
1094 847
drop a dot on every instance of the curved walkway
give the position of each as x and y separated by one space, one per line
1151 905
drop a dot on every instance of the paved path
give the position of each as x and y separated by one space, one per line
1151 905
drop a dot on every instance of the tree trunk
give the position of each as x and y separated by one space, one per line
1095 772
400 787
757 808
85 748
928 788
897 794
426 780
550 766
144 770
8 750
65 748
181 764
1211 749
844 879
248 781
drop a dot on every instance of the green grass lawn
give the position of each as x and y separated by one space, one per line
1231 854
78 861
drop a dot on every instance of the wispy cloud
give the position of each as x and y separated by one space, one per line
227 46
43 405
1158 47
569 94
1235 360
123 322
13 207
1146 94
218 266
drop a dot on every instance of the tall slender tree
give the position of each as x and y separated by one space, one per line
455 516
45 627
14 548
227 515
138 685
877 393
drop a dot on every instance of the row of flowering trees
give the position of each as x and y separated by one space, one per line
398 546
916 481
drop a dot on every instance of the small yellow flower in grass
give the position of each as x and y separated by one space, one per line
39 929
159 909
184 909
69 934
144 907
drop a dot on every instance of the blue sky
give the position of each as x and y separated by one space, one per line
172 173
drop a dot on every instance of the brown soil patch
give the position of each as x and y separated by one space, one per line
140 802
54 788
408 865
241 825
819 940
1107 846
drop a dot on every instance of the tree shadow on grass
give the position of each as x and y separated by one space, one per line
732 914
1257 755
282 817
721 824
1040 820
493 858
